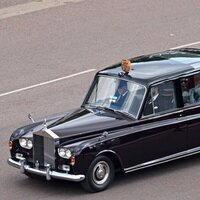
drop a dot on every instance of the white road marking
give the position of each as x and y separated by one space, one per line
73 75
186 45
33 6
47 82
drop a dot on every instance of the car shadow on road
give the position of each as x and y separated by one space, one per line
165 169
60 187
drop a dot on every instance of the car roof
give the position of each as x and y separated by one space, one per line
156 67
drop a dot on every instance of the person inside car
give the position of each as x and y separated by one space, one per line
120 95
161 98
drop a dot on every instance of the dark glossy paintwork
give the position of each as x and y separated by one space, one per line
129 142
192 120
85 121
158 67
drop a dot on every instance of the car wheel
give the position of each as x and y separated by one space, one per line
100 174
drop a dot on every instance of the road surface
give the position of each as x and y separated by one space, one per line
50 51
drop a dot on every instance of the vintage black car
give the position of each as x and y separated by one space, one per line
138 113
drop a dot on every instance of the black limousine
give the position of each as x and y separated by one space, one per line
138 113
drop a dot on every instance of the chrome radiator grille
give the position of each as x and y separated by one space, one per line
44 148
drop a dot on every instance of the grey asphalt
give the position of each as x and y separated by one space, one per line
8 3
61 41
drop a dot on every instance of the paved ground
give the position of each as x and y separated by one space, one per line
78 36
8 3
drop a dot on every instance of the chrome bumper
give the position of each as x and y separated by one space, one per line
47 172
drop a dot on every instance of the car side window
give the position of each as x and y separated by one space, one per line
161 98
190 87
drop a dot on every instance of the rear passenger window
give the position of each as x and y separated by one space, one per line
191 89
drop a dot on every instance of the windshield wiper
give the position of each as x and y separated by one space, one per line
125 114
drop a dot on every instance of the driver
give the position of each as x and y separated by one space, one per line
120 95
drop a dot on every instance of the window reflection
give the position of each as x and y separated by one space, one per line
117 94
191 89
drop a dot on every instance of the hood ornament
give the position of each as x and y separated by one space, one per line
31 118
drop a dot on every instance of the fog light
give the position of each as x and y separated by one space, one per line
19 156
66 168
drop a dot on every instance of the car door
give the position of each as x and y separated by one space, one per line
191 95
160 133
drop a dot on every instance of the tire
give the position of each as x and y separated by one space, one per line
99 175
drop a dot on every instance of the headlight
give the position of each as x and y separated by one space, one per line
26 143
64 152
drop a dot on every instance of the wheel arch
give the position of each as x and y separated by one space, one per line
114 157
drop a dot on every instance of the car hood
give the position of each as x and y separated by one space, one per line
76 125
86 121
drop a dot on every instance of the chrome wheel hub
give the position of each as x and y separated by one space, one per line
101 172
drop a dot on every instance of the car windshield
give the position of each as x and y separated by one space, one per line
116 94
